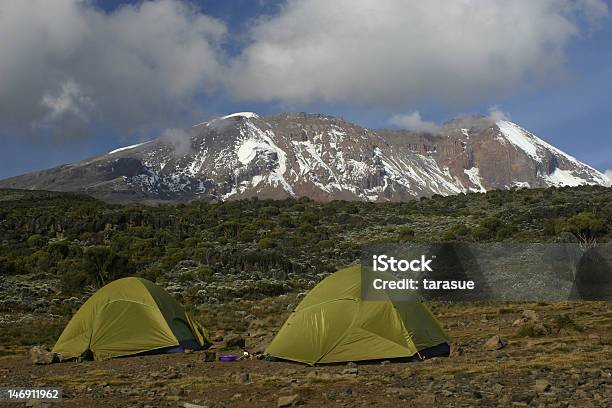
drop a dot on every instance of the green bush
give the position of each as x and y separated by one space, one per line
405 233
533 329
456 232
564 322
266 243
8 266
204 273
584 225
36 241
325 244
73 280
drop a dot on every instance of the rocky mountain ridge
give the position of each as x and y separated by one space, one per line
322 157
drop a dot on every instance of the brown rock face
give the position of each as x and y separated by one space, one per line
318 156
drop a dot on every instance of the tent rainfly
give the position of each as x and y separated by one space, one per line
332 324
129 316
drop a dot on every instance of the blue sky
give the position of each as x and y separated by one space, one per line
560 92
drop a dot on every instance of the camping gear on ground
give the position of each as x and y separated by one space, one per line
126 317
227 357
333 324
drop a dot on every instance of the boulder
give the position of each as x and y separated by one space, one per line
541 385
350 371
190 405
288 401
210 356
233 341
244 378
529 314
43 355
494 343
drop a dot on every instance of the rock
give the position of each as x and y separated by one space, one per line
425 400
43 355
396 390
497 388
541 385
210 356
455 350
529 314
244 378
288 401
350 371
351 364
591 373
494 343
176 391
190 405
234 340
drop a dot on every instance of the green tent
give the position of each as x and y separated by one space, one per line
129 316
332 324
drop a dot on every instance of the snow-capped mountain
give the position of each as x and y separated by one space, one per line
322 157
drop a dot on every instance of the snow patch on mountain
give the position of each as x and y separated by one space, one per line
255 140
121 149
561 178
474 177
515 135
241 114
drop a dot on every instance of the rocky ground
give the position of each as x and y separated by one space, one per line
510 354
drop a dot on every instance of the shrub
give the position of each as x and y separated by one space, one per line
36 241
204 273
532 329
505 232
325 244
73 280
565 323
269 211
406 233
266 243
8 266
247 235
481 233
584 225
457 231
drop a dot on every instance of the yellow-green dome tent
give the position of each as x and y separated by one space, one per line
126 317
333 324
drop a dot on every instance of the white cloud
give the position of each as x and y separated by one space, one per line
389 52
180 140
69 100
66 61
608 174
496 114
66 64
414 122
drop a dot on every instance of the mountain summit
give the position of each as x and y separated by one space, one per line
322 157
